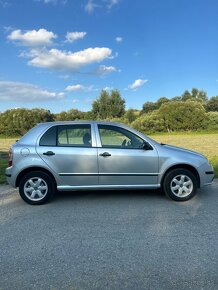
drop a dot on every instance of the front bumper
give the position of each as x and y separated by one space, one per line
206 172
10 177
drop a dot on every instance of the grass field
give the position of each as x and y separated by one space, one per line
203 143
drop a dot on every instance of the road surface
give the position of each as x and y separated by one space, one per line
109 240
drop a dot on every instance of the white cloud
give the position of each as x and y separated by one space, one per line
105 4
72 36
62 60
112 3
74 101
74 88
137 83
25 92
90 6
78 87
119 39
103 69
4 3
64 77
54 2
40 37
108 88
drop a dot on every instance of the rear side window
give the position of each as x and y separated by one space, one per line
49 138
74 135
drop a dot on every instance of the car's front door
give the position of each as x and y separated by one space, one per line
123 161
68 150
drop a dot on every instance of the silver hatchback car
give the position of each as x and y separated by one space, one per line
87 155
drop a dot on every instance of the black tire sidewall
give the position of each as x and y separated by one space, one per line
167 181
46 178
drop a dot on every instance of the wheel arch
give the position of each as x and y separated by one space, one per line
32 169
182 166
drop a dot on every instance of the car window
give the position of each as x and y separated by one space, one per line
74 135
116 137
49 138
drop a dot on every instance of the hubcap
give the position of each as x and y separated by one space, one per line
35 188
181 185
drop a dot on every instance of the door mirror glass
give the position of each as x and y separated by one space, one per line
147 146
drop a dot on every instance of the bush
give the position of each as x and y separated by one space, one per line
17 122
183 116
212 121
149 123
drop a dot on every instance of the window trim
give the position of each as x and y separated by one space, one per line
93 139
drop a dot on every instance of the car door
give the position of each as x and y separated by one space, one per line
122 160
69 151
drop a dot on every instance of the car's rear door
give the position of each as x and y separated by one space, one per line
71 154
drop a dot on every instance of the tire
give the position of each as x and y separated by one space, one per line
180 184
36 188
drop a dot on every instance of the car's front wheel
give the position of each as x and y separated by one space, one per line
36 188
180 184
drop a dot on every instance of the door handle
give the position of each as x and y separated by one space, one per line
105 154
49 153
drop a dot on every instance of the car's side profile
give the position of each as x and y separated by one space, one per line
101 155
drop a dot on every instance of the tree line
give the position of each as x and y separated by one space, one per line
191 111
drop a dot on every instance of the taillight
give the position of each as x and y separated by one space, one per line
10 157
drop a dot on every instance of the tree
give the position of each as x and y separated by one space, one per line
183 116
16 122
213 121
196 95
108 105
186 96
70 115
212 104
162 101
149 107
152 106
131 115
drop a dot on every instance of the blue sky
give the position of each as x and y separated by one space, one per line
60 54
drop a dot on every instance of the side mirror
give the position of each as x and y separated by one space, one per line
146 146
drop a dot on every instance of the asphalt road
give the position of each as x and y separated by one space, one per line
109 240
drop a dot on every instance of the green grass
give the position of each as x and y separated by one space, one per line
205 143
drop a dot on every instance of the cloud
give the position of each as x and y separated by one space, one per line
25 92
119 39
103 69
62 60
78 87
108 88
4 3
112 3
90 6
72 36
137 83
54 2
42 37
105 4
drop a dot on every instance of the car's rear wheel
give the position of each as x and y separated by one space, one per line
180 184
36 188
